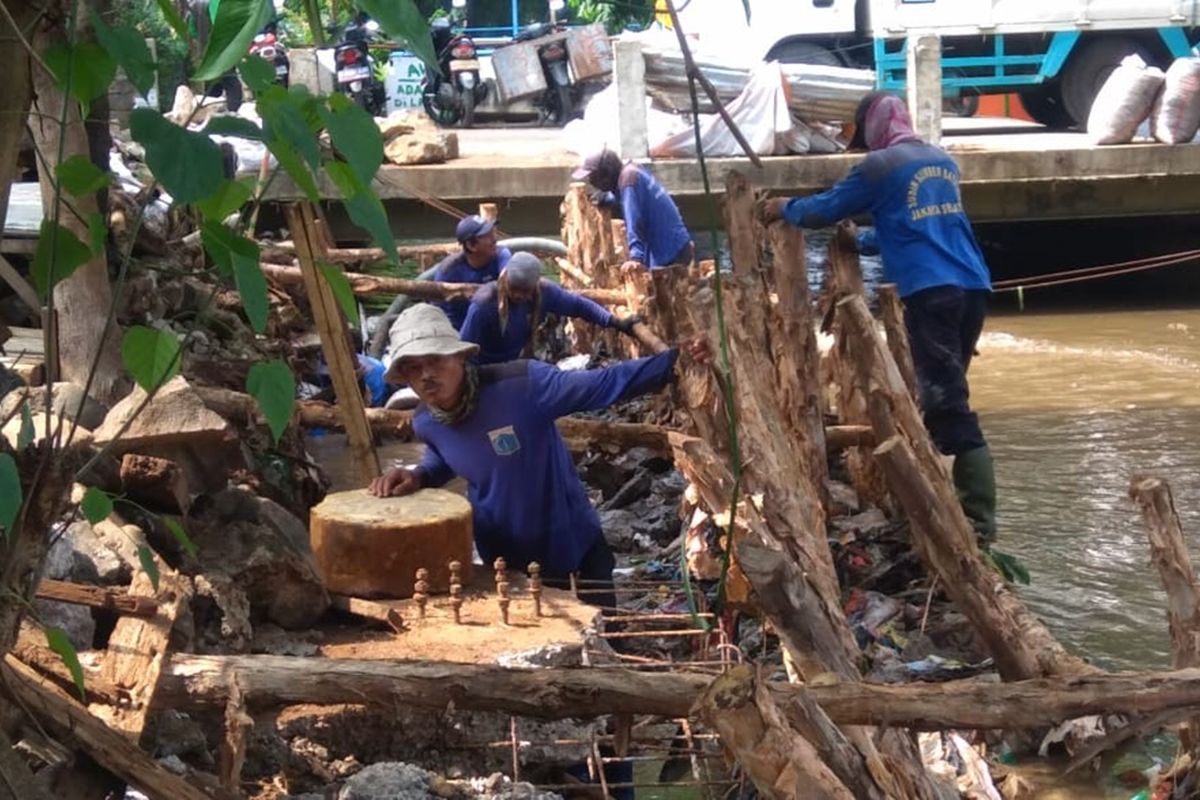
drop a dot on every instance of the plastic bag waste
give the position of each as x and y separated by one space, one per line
1124 100
1176 114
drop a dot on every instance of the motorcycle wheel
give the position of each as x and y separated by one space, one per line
468 112
565 107
445 117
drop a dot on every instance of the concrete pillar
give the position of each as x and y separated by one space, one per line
925 85
629 71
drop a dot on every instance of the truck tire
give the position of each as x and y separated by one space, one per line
1089 68
804 53
1045 105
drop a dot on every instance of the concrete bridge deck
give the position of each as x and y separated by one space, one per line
1010 174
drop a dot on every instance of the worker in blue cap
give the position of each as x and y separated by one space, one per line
504 316
479 261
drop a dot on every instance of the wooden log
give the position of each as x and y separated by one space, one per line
840 437
573 272
285 252
31 650
156 482
109 748
368 609
202 681
233 746
740 225
331 324
489 211
891 311
373 285
117 600
781 764
1169 554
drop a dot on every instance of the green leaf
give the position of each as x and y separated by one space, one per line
10 493
69 254
363 206
355 135
25 435
180 535
295 167
97 233
228 198
78 176
188 164
171 15
257 72
234 126
341 289
96 505
146 559
284 118
274 387
128 48
150 356
232 31
91 73
60 643
401 19
252 286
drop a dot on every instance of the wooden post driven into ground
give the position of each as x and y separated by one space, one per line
331 326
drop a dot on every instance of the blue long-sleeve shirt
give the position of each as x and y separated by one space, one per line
654 230
911 189
455 268
527 499
505 343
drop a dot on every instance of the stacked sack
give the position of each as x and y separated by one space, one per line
1136 92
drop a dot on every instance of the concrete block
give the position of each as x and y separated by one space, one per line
925 85
629 71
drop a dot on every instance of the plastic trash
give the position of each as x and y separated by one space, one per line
1124 101
1176 114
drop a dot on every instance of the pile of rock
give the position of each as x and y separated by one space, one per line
411 137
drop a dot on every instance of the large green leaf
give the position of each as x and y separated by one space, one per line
355 135
146 559
340 286
274 387
285 117
232 31
363 206
97 233
10 494
293 164
237 254
257 72
96 505
60 643
403 20
151 356
228 198
78 176
59 253
188 164
229 125
90 75
128 48
171 15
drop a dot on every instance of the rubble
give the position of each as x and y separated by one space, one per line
412 138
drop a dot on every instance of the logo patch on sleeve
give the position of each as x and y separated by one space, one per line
504 440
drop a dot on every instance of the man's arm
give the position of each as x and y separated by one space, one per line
558 393
631 205
557 300
849 196
433 471
474 324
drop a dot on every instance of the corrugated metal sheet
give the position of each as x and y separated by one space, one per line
518 71
590 52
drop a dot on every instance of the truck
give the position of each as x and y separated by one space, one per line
1055 53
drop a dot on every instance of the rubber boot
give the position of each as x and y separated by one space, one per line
975 480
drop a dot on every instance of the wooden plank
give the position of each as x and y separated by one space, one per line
137 651
32 372
331 324
24 217
97 597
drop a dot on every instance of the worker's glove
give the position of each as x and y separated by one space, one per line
626 324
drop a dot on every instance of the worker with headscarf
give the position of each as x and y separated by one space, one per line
911 189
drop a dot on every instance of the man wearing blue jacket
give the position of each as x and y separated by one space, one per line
929 251
479 261
654 230
504 315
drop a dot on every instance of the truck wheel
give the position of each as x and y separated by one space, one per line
1045 105
804 53
1089 68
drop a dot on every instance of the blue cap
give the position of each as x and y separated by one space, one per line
472 226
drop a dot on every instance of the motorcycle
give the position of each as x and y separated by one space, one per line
451 94
557 104
355 68
266 46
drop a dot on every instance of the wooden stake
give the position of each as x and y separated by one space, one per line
332 328
118 600
489 211
738 208
233 747
368 609
891 311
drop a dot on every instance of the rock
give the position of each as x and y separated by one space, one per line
670 486
221 612
658 522
79 555
617 525
866 522
12 429
422 148
275 641
155 482
633 490
65 399
258 546
177 734
76 621
389 780
842 498
123 540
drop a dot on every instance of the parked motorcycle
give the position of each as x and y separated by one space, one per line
558 103
266 46
451 94
355 68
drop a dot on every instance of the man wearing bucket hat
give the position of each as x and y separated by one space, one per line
504 315
495 426
654 230
929 251
479 261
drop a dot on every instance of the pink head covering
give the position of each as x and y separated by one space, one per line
887 123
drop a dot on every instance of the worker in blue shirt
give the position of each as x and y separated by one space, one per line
911 188
504 316
479 261
654 230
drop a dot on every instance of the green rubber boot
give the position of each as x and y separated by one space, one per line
975 480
